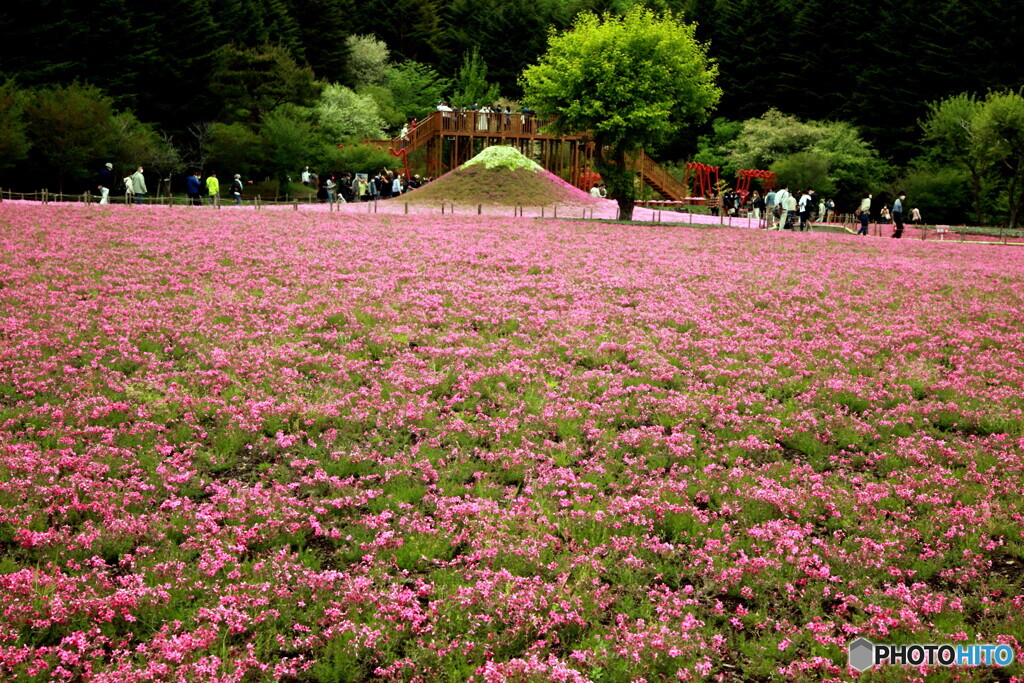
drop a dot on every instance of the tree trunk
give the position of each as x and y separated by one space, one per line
979 209
625 208
617 177
1013 199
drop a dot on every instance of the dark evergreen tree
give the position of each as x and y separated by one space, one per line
251 82
175 54
323 26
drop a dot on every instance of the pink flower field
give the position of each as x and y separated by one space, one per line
310 446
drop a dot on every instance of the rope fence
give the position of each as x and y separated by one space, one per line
684 215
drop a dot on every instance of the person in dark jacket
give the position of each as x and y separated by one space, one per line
192 188
236 189
105 181
757 205
897 214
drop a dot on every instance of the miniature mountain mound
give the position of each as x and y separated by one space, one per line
501 176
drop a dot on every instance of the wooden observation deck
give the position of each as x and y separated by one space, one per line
451 138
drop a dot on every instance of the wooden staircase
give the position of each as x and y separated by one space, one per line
658 178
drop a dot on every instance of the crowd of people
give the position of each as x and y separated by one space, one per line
334 187
347 187
784 210
779 209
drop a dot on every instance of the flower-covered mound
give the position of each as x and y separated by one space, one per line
308 447
502 176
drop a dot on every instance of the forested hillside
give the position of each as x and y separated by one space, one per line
181 67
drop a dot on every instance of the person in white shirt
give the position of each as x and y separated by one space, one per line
780 201
595 191
806 202
789 208
863 214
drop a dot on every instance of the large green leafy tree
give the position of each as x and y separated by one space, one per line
14 142
949 138
288 141
72 128
1000 135
831 156
416 88
985 138
628 82
344 116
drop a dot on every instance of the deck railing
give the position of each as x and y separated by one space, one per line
475 123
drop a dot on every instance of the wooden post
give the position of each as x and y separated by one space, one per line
295 205
479 209
542 212
555 211
407 208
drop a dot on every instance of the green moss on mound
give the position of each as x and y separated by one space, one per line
502 156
